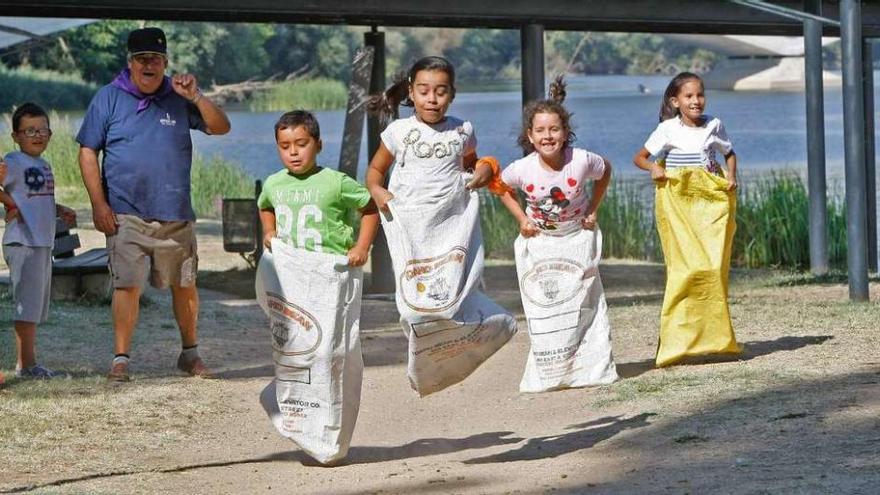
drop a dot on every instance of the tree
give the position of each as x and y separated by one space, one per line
486 54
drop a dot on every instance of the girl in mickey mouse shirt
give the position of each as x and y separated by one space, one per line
553 176
558 251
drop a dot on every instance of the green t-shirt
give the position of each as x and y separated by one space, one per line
315 212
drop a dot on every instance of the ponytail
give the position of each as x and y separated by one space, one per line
384 105
557 89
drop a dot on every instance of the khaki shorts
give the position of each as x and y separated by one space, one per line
170 247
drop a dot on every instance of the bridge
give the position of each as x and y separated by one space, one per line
754 62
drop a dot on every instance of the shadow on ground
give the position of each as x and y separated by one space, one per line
583 436
760 348
782 440
357 455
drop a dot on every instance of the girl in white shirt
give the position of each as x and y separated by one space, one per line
695 204
431 220
686 137
430 150
553 175
559 250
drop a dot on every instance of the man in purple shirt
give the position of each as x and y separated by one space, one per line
140 194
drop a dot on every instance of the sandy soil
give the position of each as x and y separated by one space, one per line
799 412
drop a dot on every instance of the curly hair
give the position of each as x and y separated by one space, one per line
553 104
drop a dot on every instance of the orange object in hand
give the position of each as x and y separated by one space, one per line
496 185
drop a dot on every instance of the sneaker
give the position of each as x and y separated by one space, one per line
118 372
38 372
194 367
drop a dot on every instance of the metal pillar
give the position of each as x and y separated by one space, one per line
382 274
258 225
870 163
532 47
854 149
353 130
816 140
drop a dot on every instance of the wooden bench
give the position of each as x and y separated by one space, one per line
75 276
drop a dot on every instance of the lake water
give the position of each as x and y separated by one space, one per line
611 117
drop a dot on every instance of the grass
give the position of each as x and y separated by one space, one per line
63 418
215 179
46 88
772 224
627 222
212 179
677 382
499 227
312 94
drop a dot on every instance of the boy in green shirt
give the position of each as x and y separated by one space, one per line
311 207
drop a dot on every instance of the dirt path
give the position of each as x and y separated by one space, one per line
800 412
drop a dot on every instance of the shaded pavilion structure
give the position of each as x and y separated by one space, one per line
854 21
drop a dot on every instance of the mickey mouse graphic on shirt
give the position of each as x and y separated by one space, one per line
547 211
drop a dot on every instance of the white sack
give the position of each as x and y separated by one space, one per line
565 307
437 254
313 301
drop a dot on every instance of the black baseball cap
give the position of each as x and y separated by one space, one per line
147 40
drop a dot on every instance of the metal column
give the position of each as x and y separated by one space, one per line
816 140
870 165
854 149
532 47
382 274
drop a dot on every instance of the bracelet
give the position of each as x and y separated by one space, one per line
197 97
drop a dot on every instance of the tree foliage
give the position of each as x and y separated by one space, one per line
224 53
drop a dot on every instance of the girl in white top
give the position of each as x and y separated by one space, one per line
686 137
558 252
695 205
433 230
430 150
553 175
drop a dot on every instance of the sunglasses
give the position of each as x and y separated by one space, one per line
32 132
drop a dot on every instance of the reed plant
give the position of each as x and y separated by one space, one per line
212 179
772 223
311 94
626 218
45 88
499 227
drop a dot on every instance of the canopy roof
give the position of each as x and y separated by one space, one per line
666 16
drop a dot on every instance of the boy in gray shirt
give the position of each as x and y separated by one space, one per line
29 197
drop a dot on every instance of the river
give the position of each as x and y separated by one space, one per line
610 116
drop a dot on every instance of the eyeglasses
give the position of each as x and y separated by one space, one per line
148 59
32 132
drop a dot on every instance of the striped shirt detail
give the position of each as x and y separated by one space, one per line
675 158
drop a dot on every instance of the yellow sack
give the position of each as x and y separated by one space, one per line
696 219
